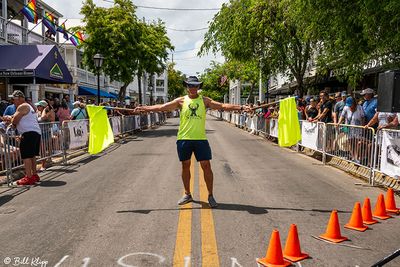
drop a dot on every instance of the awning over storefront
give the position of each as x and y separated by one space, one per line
116 95
28 64
83 90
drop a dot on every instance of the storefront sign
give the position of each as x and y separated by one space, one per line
56 72
16 73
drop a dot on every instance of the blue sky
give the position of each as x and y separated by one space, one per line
187 61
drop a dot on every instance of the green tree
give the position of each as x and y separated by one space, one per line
233 70
128 45
264 32
175 82
211 79
352 34
153 46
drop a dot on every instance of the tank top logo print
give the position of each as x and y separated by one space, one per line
193 107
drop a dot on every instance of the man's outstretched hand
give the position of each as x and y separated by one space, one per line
141 109
247 109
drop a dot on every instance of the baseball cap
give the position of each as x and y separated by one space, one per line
76 103
367 91
41 103
17 93
344 93
349 101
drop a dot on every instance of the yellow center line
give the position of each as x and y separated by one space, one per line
209 251
183 245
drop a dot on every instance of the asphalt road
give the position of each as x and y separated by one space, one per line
119 209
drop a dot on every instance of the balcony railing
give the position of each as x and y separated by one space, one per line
2 28
16 34
34 38
86 77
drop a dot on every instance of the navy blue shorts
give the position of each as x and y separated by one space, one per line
200 148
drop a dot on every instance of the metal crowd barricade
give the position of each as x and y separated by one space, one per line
52 145
261 124
351 143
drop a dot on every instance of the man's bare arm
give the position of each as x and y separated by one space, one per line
227 107
22 110
172 105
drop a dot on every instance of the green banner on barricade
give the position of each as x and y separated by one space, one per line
288 123
100 134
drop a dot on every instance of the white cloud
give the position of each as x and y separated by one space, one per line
190 64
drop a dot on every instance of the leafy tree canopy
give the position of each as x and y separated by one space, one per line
128 45
175 82
264 32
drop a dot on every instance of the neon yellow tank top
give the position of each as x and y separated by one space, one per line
193 119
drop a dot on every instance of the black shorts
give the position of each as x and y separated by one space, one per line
200 148
30 145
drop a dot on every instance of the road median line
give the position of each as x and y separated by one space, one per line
183 244
209 251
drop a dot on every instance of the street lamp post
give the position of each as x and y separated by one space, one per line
98 62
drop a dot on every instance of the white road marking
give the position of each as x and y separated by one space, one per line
86 262
299 264
58 264
121 263
235 263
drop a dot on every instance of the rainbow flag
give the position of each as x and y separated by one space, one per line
30 11
49 22
77 38
62 29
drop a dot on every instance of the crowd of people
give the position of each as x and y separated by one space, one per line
347 109
351 119
340 108
46 117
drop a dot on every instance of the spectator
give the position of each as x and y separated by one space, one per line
79 112
325 110
11 109
300 109
45 114
63 112
370 103
340 103
69 103
27 125
384 120
352 113
311 110
45 111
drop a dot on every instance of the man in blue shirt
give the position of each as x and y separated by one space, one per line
10 110
370 103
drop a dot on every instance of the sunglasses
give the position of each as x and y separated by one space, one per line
193 86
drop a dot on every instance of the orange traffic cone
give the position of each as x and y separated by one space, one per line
390 202
367 213
356 221
380 209
274 255
333 229
292 250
